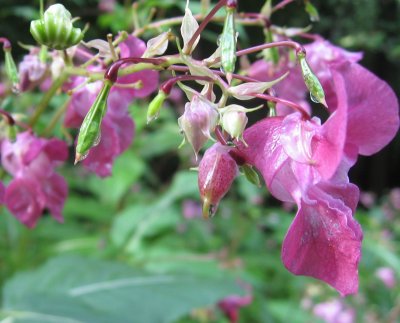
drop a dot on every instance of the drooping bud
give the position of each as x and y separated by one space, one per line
234 119
312 82
89 133
188 28
55 29
155 105
228 43
198 121
217 170
246 91
11 69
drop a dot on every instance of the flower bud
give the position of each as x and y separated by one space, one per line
217 170
198 121
55 29
155 105
89 133
312 82
228 42
234 119
11 69
234 122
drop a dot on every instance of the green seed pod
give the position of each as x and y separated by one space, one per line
89 133
55 29
11 69
155 105
312 82
228 42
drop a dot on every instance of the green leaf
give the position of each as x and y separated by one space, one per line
73 289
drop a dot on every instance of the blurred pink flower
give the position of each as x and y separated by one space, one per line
334 312
394 198
31 70
191 209
231 305
117 129
387 276
35 186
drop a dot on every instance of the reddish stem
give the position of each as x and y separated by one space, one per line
281 5
6 43
290 104
166 87
286 43
234 153
111 73
8 117
204 23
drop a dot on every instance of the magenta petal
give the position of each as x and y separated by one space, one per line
328 148
101 157
149 83
56 149
2 193
56 190
25 200
324 241
373 109
132 47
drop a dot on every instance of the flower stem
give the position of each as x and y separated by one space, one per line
281 5
204 23
290 104
57 116
166 87
47 97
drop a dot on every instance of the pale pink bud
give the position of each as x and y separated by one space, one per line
234 122
217 170
198 121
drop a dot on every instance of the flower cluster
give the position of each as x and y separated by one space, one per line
35 185
303 160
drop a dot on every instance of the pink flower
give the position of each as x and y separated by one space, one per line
334 312
36 186
217 170
305 162
387 276
231 305
117 129
31 70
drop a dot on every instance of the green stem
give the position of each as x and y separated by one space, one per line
47 97
57 116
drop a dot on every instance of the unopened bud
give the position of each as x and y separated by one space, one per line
155 105
228 42
198 121
89 133
234 119
251 174
217 170
312 82
234 122
55 29
11 69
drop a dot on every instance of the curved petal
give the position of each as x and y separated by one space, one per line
25 200
373 109
56 190
324 241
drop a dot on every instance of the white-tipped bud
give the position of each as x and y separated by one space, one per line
188 28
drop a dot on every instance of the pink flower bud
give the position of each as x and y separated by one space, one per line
234 122
217 170
198 121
